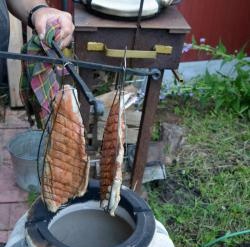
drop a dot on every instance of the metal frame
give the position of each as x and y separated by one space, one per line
70 63
168 28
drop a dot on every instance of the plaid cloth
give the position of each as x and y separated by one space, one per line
39 81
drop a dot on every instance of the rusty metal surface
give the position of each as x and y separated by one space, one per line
147 119
169 28
121 38
169 18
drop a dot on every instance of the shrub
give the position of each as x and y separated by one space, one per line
231 91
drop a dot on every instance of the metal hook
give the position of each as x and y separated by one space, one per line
125 59
67 63
124 67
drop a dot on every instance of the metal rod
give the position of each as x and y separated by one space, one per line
26 57
140 14
70 67
178 77
65 5
155 73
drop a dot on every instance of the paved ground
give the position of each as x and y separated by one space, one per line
12 199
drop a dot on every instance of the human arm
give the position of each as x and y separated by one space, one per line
40 17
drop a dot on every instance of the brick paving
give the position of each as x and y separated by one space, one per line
13 200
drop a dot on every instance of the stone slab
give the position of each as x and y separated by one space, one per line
3 236
9 191
4 217
16 211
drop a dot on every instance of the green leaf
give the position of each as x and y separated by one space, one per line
194 41
218 104
241 54
221 48
243 109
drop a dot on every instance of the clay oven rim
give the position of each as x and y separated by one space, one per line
39 218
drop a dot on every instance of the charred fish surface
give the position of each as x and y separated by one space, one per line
66 167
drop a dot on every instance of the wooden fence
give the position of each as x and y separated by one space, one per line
216 20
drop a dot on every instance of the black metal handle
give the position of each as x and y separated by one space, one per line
83 86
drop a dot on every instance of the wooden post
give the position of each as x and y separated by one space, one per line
14 66
147 120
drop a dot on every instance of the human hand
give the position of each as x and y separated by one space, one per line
44 15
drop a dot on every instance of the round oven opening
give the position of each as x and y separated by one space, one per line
85 224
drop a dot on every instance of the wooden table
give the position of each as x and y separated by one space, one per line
168 28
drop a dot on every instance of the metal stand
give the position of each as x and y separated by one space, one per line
167 30
149 108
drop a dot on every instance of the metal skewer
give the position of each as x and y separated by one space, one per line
70 63
155 73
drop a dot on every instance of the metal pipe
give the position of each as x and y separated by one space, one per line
98 105
177 76
86 65
65 5
70 67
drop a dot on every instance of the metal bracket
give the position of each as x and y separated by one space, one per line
98 108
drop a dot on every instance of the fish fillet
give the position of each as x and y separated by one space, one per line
66 168
112 153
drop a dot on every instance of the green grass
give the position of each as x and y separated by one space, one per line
32 196
156 132
207 191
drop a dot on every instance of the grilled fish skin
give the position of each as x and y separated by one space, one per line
112 153
66 168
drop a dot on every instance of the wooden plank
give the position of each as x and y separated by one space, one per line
133 117
14 66
131 133
169 19
108 98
